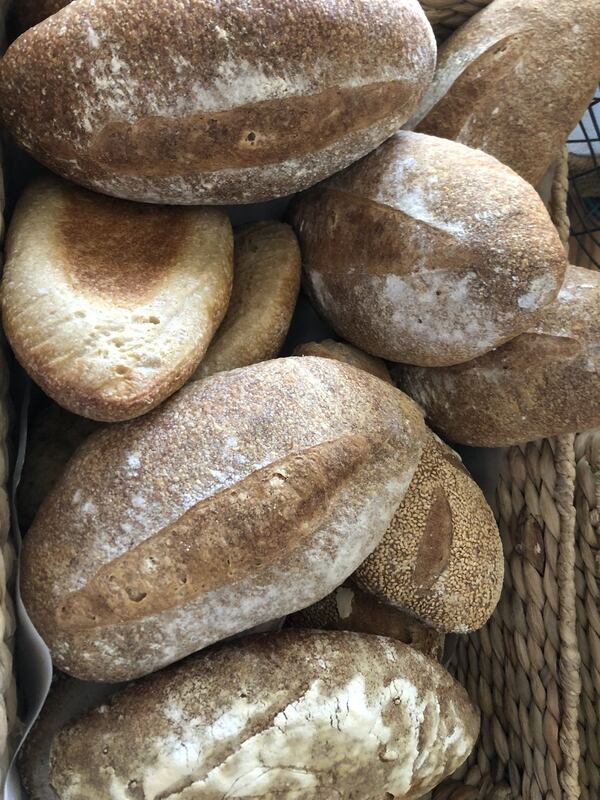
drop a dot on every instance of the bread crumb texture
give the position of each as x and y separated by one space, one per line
441 558
296 715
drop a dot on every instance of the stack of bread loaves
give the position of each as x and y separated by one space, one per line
186 489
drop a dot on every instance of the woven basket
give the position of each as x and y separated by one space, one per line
445 15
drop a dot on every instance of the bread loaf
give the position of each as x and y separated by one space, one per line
110 305
441 558
350 608
543 383
427 252
340 351
266 281
214 101
515 80
247 496
299 714
27 13
53 436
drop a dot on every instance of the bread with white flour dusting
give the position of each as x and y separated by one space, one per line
246 496
213 101
300 714
428 252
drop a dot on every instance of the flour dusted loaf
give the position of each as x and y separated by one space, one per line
246 496
340 351
298 714
541 384
428 252
441 557
27 13
515 80
214 101
350 608
266 281
110 305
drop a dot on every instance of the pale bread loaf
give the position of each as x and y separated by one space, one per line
541 384
109 305
299 714
213 101
266 281
515 80
428 252
340 351
246 496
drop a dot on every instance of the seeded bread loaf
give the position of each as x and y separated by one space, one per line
266 281
110 305
246 496
428 252
340 351
543 383
299 714
213 101
515 80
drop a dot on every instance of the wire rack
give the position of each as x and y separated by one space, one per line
584 189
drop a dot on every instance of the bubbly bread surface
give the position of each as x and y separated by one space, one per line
110 305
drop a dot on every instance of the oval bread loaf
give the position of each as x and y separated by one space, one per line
340 351
109 305
241 101
441 558
515 80
300 714
543 383
266 281
247 496
428 252
350 608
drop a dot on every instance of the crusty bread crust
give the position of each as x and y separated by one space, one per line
27 13
110 305
214 101
541 384
266 282
340 351
428 252
317 454
515 80
297 714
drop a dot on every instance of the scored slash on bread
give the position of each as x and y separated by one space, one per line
110 305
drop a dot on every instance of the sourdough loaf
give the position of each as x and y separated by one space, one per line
299 714
350 608
428 252
340 351
515 80
542 383
266 281
246 496
111 305
27 13
214 101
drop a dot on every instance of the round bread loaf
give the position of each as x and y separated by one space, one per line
340 351
27 13
53 436
247 496
214 101
427 252
441 558
300 714
109 305
266 281
515 80
543 383
349 608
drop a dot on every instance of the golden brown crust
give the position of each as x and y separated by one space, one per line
428 252
441 558
340 351
110 305
266 282
243 101
350 608
206 453
515 80
542 383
